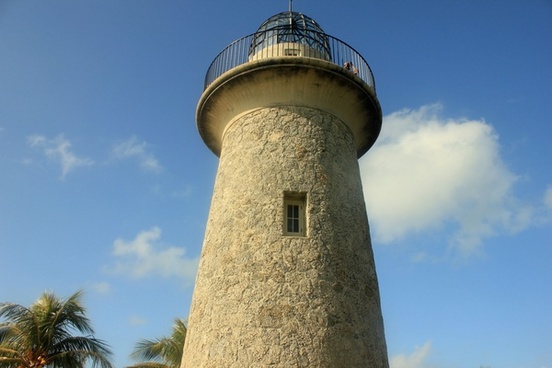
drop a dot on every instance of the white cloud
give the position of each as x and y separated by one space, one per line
132 148
548 197
427 172
137 321
59 149
145 256
414 360
101 287
187 192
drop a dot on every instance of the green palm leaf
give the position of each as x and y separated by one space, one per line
165 352
45 335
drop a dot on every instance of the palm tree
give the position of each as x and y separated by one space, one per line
165 352
42 335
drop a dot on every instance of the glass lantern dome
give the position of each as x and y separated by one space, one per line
289 34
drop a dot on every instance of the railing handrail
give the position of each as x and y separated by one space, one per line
240 52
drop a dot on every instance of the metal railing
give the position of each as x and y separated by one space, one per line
249 48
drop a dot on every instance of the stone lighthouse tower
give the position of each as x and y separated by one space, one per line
287 276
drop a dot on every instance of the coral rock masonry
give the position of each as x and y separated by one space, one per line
287 275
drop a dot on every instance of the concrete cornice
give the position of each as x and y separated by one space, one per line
289 81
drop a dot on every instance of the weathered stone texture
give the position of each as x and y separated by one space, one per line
263 299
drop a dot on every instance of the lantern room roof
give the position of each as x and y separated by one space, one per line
289 19
291 27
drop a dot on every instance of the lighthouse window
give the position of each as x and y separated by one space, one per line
292 218
294 214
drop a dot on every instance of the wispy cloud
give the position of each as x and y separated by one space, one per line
427 172
137 321
146 256
139 150
414 360
187 192
102 288
548 198
59 149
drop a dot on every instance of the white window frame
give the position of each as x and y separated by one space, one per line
295 219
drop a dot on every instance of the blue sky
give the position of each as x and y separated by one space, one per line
105 184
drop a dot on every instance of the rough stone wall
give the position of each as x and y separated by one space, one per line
264 299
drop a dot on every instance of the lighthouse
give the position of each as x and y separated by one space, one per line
287 276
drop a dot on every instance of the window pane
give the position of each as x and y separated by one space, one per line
294 216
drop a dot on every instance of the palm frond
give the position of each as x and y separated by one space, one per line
149 349
78 359
149 365
82 343
7 362
73 314
166 351
12 311
12 341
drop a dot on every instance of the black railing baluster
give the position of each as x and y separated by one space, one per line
240 51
